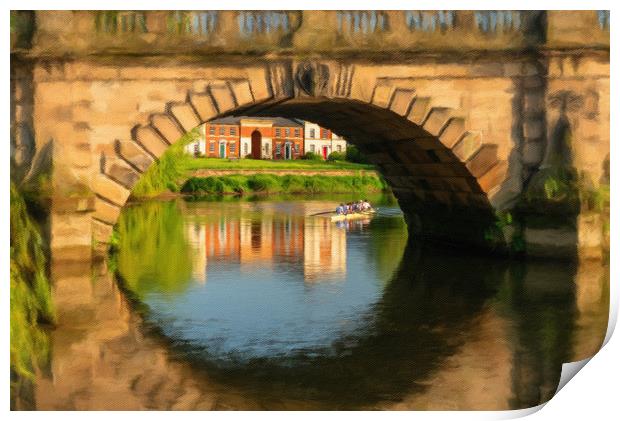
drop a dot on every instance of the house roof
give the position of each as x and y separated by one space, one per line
277 121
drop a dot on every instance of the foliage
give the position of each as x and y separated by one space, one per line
311 156
353 154
336 156
31 300
165 174
268 183
152 253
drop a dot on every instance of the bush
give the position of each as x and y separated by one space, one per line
353 154
336 156
311 156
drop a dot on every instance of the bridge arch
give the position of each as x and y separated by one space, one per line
441 169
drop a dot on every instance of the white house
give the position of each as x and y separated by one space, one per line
322 141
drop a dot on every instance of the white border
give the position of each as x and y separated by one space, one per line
593 393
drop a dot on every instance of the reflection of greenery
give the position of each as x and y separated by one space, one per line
166 173
387 245
31 301
153 254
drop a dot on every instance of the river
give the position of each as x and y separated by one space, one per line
255 304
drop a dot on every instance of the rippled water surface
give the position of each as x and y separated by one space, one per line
260 305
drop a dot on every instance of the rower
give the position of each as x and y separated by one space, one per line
340 209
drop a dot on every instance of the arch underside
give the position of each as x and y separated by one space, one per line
441 172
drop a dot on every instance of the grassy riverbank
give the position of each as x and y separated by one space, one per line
256 164
292 184
175 169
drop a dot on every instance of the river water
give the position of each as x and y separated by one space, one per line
255 304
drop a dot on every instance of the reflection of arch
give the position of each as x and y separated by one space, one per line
426 311
256 144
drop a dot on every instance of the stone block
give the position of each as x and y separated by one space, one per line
494 177
110 189
222 97
185 115
437 119
81 155
204 106
167 127
419 110
483 160
150 140
106 212
134 154
467 146
122 173
453 132
381 95
102 232
402 100
242 91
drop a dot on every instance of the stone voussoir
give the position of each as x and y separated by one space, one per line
437 119
120 171
134 155
204 106
419 110
106 212
150 140
185 115
110 189
167 127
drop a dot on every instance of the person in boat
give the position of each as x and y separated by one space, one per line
366 205
340 210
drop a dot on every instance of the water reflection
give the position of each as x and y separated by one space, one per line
262 311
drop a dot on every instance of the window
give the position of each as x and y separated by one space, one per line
339 148
278 146
287 132
222 131
211 130
323 134
296 132
245 148
267 148
312 148
362 21
296 147
211 146
233 131
312 134
232 147
277 132
114 21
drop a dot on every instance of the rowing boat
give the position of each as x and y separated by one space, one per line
350 216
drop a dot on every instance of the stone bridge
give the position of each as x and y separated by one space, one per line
457 109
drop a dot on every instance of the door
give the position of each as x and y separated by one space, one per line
256 144
287 151
222 150
324 152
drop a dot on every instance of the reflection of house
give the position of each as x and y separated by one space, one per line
318 249
196 235
325 250
264 138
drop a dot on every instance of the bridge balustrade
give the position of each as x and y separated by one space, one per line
62 32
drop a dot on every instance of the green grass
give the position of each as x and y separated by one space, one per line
31 300
269 184
166 174
256 164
